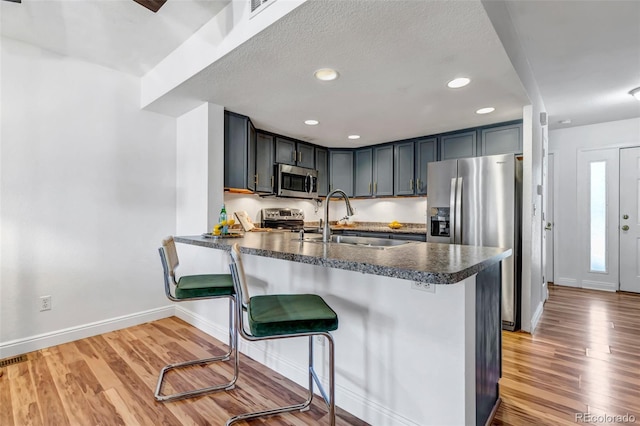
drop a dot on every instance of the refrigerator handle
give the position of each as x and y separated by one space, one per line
458 214
452 208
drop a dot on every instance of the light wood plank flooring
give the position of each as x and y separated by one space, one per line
584 357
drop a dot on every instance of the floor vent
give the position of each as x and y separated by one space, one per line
15 360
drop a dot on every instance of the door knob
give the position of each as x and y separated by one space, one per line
625 228
625 216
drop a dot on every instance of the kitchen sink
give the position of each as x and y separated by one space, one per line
379 243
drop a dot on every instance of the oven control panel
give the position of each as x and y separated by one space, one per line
282 214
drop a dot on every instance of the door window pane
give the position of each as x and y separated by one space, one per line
598 216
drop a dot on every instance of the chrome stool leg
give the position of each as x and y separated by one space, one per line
232 353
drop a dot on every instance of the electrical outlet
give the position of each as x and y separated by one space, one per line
428 287
45 303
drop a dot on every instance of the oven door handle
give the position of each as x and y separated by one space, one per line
309 183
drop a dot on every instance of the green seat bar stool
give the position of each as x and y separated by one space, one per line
198 287
282 316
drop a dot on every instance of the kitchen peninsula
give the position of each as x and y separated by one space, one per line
403 356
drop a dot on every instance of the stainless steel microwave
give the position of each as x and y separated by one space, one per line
297 182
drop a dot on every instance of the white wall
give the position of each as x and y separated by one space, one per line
88 191
404 210
566 145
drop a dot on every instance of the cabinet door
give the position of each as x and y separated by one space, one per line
424 154
285 151
383 170
236 151
341 171
364 173
460 145
251 157
501 140
305 155
403 176
264 163
322 165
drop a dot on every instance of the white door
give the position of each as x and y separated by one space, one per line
630 219
598 202
548 229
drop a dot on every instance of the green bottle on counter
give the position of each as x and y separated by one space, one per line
223 220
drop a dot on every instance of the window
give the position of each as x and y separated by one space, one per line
598 216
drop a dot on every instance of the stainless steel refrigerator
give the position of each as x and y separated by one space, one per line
478 201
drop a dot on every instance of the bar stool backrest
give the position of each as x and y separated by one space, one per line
243 289
171 255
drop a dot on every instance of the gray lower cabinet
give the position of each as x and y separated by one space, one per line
239 152
322 166
425 152
501 140
264 175
403 176
289 151
458 145
363 176
341 171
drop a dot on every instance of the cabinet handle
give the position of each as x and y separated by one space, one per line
294 156
300 156
418 184
369 187
271 181
256 179
375 188
411 184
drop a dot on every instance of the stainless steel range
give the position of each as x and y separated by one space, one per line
283 218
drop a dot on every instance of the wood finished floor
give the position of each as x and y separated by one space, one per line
584 357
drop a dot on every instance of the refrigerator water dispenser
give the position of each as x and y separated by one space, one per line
440 221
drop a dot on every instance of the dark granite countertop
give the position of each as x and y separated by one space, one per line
424 262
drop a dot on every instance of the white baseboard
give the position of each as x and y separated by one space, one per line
58 337
536 316
598 285
567 282
355 403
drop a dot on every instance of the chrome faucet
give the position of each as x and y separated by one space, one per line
326 230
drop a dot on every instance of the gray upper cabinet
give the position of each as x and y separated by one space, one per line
459 145
501 140
363 176
239 152
425 152
341 171
322 165
264 169
403 178
374 171
289 151
305 154
383 170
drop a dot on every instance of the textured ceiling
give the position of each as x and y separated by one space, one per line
119 34
585 56
394 59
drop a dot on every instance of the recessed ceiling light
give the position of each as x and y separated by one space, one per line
486 110
326 74
354 136
635 93
567 121
311 122
458 82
